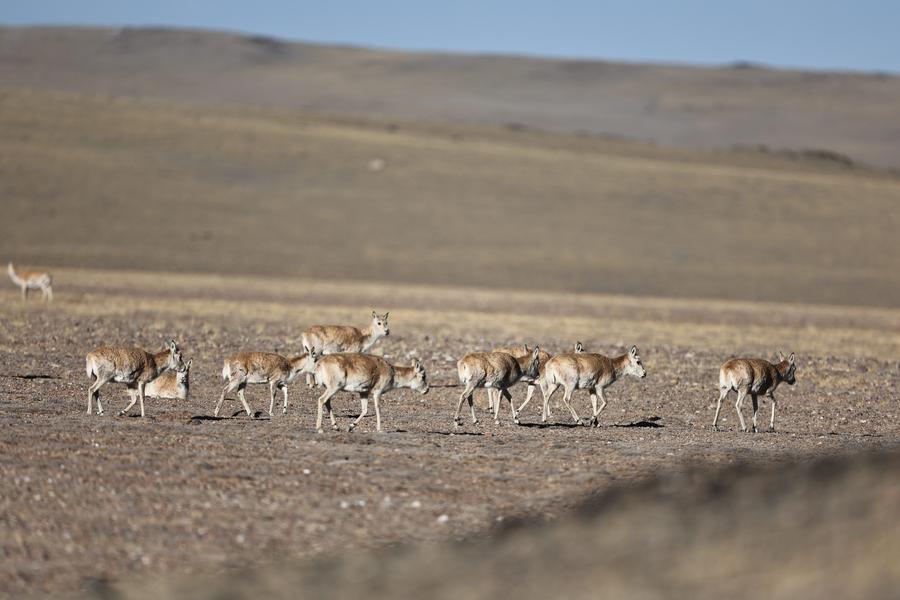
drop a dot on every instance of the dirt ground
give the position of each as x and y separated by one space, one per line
95 500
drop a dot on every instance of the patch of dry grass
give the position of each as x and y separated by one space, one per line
129 184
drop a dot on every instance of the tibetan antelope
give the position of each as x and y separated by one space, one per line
587 371
32 280
518 351
132 366
496 371
332 339
756 377
579 349
262 367
366 375
171 384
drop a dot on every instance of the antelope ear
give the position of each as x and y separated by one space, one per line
633 351
791 358
579 347
173 346
190 360
780 355
536 352
386 315
374 315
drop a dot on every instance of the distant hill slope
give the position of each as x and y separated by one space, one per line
141 184
853 114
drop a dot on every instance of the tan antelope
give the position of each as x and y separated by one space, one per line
171 384
132 366
587 371
756 377
366 375
32 280
332 339
497 372
262 367
517 351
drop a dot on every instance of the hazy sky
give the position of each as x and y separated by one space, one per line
824 34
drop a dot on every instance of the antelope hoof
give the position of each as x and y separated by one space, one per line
755 430
496 421
320 430
350 427
122 413
771 429
335 428
516 420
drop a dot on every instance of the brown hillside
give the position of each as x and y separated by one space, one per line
853 114
125 183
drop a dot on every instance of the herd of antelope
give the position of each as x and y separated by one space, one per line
335 357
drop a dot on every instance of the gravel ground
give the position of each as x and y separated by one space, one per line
88 498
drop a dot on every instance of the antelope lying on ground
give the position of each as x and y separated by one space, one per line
171 384
262 367
586 371
365 374
496 371
332 339
579 349
756 377
132 366
32 280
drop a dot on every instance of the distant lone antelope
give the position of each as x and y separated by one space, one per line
332 339
132 366
367 375
496 371
32 280
587 371
171 384
756 377
262 367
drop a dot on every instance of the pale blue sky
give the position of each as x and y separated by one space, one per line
858 35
